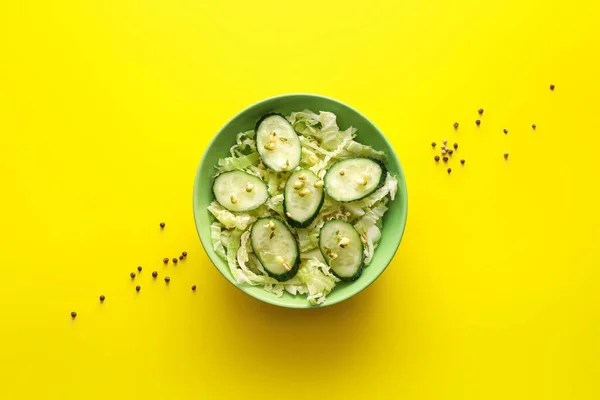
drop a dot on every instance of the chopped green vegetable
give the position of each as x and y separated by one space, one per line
215 233
318 279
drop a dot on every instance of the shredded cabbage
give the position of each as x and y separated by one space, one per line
323 143
230 220
231 163
232 248
318 279
243 153
215 233
308 239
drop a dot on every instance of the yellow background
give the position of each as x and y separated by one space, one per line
107 106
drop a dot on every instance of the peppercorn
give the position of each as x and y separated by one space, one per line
193 287
162 224
455 146
433 144
132 275
478 122
534 126
184 253
551 87
505 155
462 161
181 257
166 260
480 111
175 260
449 170
102 298
137 288
455 125
505 131
450 151
139 268
154 274
167 279
73 314
436 158
445 159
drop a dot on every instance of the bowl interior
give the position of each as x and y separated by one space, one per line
394 220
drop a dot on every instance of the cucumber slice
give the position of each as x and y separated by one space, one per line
342 248
354 178
303 198
278 143
239 191
276 248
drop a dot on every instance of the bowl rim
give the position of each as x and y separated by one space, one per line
364 284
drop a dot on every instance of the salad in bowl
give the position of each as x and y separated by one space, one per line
298 205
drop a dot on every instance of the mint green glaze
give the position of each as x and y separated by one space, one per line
394 220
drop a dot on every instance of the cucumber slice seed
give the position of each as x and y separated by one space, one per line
303 197
277 143
342 249
276 248
239 191
354 178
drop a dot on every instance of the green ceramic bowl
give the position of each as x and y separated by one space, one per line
394 220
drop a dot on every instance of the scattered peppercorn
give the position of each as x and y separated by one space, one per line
162 224
450 151
137 288
455 146
167 279
436 158
193 287
132 275
181 257
445 159
551 87
175 260
154 274
140 268
462 161
480 111
445 141
102 298
433 144
505 155
444 152
505 131
449 170
166 260
184 253
455 125
73 314
478 122
534 126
